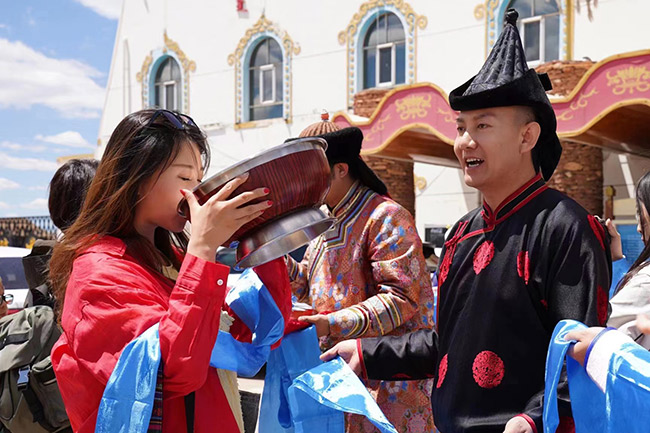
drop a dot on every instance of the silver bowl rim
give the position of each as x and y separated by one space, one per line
229 173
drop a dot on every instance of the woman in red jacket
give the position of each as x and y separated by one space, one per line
126 264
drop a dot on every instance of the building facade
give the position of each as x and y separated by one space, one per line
253 73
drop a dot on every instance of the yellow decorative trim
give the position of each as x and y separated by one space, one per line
405 128
63 159
581 102
386 97
260 123
145 69
479 11
291 48
263 25
378 127
413 106
347 37
413 19
595 67
490 26
186 65
631 79
602 114
569 30
419 182
449 115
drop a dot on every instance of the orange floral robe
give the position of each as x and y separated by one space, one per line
369 272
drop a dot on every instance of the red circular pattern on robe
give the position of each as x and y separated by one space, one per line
598 230
602 304
483 256
523 266
442 371
488 369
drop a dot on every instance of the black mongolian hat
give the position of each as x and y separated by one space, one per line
505 80
344 145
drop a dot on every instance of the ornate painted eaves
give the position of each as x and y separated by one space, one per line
608 107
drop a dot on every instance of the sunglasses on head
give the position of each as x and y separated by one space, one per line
178 121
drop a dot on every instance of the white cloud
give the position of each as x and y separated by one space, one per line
11 146
36 204
3 205
30 77
23 148
67 138
15 163
38 188
110 9
3 26
7 184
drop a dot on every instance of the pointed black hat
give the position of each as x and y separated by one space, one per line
505 80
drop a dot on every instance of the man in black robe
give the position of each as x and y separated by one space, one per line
509 271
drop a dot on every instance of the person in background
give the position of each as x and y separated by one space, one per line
367 276
632 295
5 300
68 189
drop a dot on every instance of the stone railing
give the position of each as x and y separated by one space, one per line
23 231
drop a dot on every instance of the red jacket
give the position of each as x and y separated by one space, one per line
111 299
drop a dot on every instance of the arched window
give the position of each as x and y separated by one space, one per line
265 81
167 86
384 52
539 26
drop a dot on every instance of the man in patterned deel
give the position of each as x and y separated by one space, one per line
367 276
510 269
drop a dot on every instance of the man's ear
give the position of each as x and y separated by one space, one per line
341 170
530 135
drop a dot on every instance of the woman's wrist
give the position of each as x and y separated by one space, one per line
202 251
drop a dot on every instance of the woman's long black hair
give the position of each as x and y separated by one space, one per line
642 200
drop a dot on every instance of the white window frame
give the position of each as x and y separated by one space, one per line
162 91
263 68
542 36
390 83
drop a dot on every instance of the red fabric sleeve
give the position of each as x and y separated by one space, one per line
110 301
189 328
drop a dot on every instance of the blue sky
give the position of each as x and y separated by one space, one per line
55 57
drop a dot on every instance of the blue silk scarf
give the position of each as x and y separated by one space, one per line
304 395
624 407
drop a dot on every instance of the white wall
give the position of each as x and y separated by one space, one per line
450 50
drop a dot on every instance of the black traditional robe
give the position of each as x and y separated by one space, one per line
506 278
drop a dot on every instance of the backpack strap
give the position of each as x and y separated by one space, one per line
35 406
189 411
15 339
